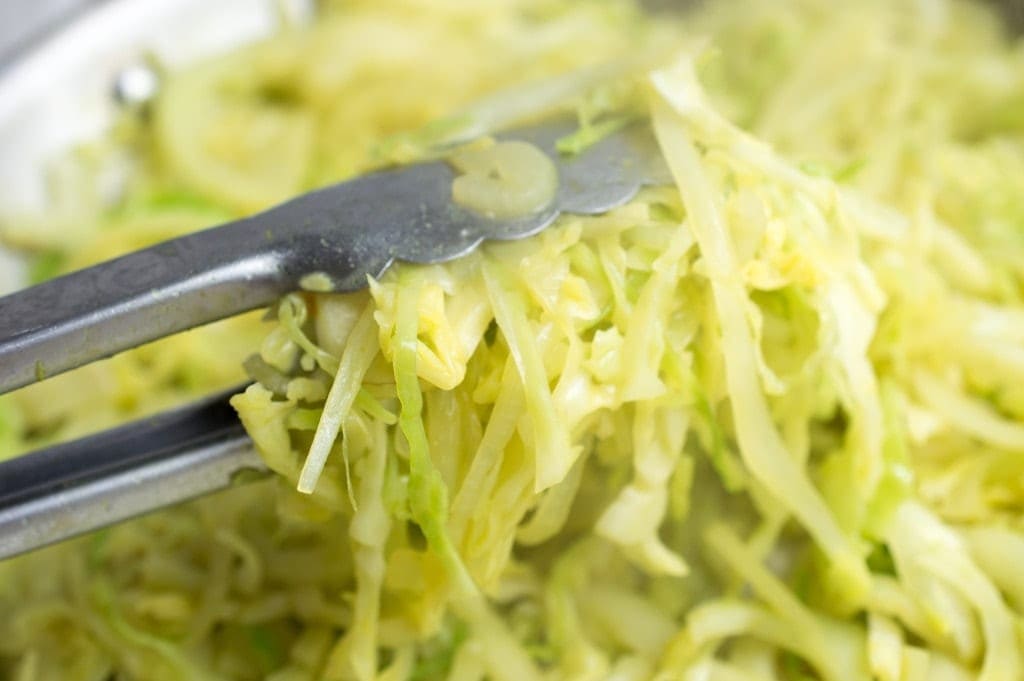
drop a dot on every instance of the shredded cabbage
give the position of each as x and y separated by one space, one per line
763 423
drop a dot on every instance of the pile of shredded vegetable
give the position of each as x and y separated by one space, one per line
765 423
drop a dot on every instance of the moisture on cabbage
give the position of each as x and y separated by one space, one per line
764 423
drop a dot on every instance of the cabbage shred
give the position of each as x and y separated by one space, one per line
764 423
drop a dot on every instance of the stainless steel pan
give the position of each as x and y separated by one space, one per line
60 61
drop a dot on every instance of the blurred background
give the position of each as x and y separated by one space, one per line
25 21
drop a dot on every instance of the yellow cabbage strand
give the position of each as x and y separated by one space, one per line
554 453
369 530
762 449
428 497
359 352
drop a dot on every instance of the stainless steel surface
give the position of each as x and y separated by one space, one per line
57 92
58 70
348 232
24 22
87 484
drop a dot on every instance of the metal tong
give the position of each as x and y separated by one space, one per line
347 232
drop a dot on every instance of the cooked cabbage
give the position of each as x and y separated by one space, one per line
764 423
